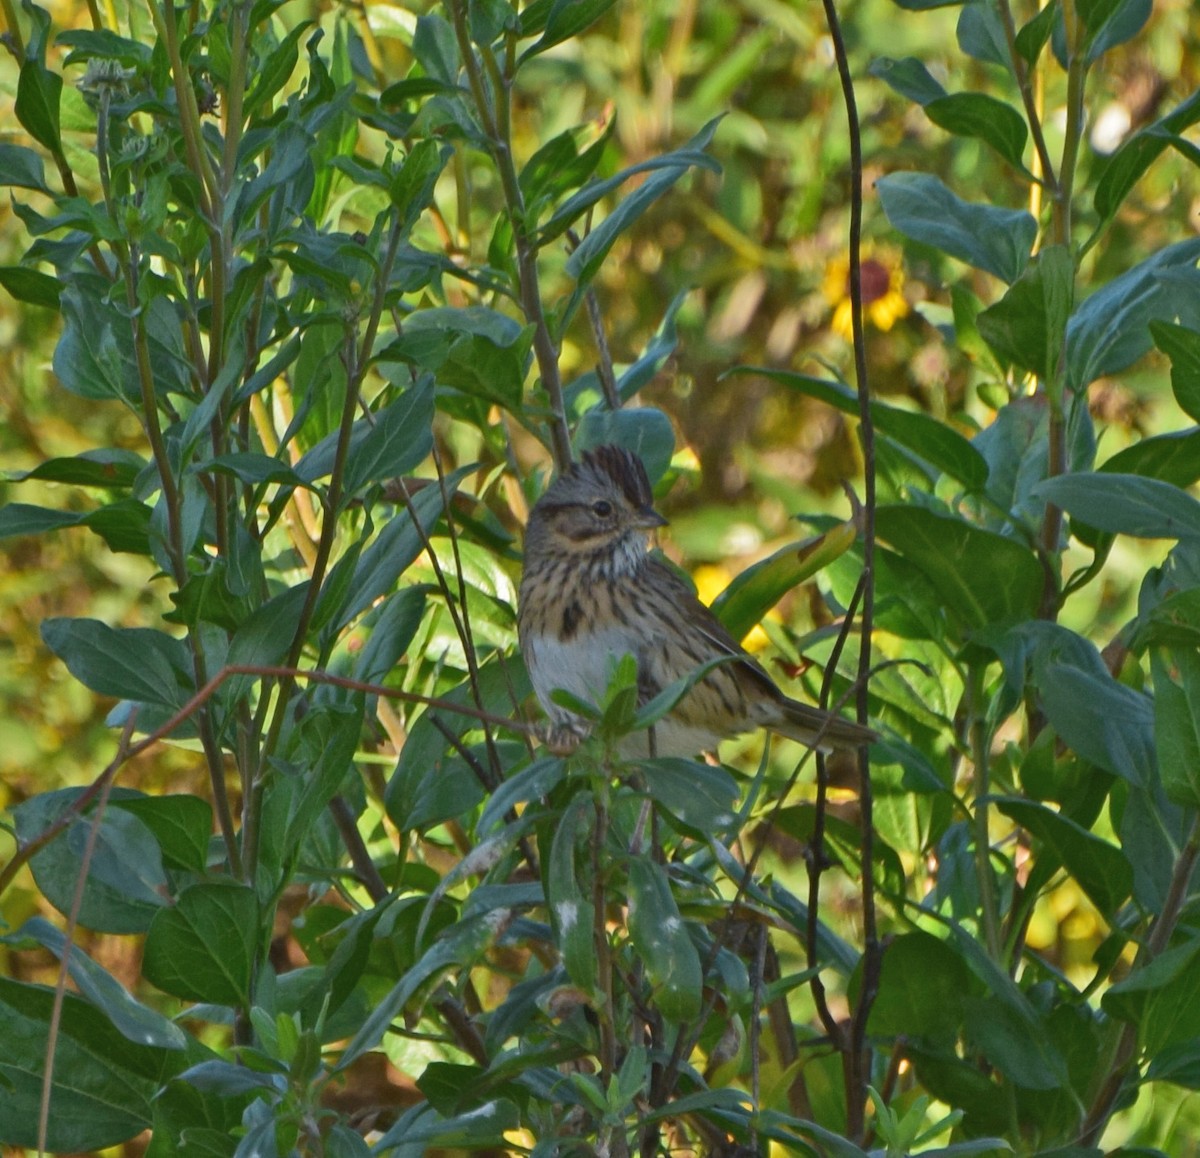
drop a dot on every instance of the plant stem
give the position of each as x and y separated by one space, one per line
496 126
978 740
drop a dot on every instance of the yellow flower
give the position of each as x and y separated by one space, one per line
882 290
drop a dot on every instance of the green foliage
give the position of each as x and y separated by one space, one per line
326 291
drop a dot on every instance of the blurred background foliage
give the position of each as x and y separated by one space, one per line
759 251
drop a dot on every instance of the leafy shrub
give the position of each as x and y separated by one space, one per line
304 281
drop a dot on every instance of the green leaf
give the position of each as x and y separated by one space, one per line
1112 22
273 73
22 168
698 796
1032 37
104 467
135 1021
18 519
1182 345
980 34
461 944
645 430
391 628
1176 673
1110 330
203 947
475 349
921 989
584 263
568 899
662 941
983 577
182 825
1162 998
436 49
1125 504
935 442
116 907
39 92
976 114
760 586
1027 327
103 1086
399 440
909 77
566 18
986 236
1100 868
1104 721
31 285
1173 458
255 468
1122 171
132 663
411 186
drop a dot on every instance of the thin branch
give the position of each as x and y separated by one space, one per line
858 1072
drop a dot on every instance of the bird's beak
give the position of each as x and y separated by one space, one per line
648 518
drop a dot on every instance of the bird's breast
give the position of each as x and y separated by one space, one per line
581 663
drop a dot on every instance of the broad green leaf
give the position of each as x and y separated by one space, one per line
698 796
976 114
103 1085
760 586
1032 37
1099 867
22 168
422 1130
1104 721
135 1021
1172 458
104 467
1182 345
99 43
375 571
461 944
980 34
1109 331
662 941
436 49
204 946
531 783
643 429
1177 722
31 285
986 236
921 989
1125 167
1027 326
568 893
392 628
1125 504
1112 22
182 825
983 577
255 468
1162 998
18 519
583 264
566 18
909 77
111 903
411 187
39 95
132 663
399 440
935 442
474 349
276 69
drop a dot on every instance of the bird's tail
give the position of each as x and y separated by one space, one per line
822 730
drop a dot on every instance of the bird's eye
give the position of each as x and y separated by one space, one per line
602 508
